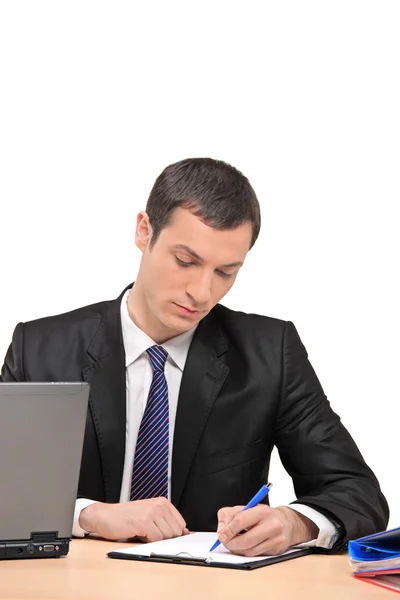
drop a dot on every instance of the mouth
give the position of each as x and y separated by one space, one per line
189 312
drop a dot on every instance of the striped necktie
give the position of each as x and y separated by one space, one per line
150 466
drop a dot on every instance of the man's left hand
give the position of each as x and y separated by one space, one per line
267 530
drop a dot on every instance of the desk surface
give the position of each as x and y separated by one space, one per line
87 573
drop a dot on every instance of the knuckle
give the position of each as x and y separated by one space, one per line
161 502
142 522
277 526
281 528
147 512
279 545
238 522
224 515
282 541
156 505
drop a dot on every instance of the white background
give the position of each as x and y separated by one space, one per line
98 97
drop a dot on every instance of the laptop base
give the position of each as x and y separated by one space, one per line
41 545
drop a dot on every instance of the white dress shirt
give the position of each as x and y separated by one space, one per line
139 374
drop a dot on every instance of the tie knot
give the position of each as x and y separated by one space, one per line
158 356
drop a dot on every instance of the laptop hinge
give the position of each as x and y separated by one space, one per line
44 537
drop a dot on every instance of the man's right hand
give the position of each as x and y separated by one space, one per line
150 520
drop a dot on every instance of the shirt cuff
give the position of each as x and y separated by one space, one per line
328 534
80 504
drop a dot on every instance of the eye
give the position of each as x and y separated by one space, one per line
223 274
183 263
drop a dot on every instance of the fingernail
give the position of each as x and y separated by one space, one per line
223 537
221 525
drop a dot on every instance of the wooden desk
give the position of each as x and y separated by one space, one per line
86 573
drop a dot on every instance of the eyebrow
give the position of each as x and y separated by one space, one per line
195 255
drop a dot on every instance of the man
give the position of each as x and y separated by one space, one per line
188 398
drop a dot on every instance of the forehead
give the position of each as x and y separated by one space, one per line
221 245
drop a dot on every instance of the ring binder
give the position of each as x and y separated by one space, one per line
376 558
181 557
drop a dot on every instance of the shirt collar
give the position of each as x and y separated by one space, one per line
137 341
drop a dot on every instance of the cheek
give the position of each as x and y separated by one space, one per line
221 287
167 275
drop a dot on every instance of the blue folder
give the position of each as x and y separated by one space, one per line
384 545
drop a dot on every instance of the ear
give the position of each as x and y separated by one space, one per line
143 230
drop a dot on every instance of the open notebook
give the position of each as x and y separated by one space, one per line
193 549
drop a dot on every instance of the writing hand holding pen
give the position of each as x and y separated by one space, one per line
262 492
267 531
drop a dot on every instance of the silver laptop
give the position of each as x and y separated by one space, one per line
42 426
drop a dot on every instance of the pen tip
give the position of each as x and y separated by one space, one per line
215 545
269 485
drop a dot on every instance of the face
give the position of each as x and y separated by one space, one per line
185 273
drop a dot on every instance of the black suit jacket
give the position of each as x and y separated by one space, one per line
247 386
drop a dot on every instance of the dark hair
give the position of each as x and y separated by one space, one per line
213 190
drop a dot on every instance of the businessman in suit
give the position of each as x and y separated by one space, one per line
188 398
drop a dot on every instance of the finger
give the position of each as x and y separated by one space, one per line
177 523
243 520
177 518
226 514
264 533
152 534
166 528
270 547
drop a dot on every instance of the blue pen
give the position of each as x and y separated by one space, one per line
253 502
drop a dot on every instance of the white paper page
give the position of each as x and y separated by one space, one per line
195 545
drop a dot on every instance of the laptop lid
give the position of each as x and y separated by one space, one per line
42 427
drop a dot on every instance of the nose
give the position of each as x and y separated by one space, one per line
199 289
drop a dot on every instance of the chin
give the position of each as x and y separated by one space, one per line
179 324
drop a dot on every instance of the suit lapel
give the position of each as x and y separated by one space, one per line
202 379
107 403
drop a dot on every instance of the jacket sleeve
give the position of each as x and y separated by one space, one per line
13 369
328 472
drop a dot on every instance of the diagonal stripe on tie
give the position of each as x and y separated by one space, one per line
148 458
150 466
148 480
158 406
144 448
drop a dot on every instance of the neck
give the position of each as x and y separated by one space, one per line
140 313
